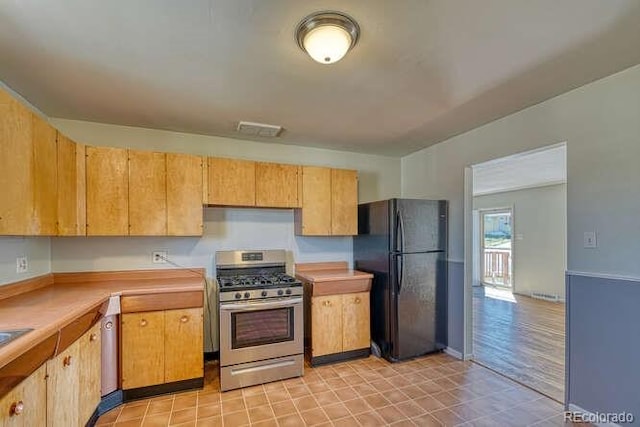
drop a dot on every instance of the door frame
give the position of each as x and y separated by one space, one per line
481 213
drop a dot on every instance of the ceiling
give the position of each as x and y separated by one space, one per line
423 70
531 169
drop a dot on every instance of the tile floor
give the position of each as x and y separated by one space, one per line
430 391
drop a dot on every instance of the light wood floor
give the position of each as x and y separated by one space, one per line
522 339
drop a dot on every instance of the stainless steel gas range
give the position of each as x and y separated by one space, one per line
261 318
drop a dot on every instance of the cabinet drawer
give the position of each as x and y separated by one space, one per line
165 301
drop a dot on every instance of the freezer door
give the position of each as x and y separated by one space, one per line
416 302
371 246
419 225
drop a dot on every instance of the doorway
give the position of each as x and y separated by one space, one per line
496 247
514 277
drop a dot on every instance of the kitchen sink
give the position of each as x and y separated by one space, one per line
8 336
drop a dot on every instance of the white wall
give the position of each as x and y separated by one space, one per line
539 218
600 124
36 249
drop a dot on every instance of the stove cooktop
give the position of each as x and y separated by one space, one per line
258 281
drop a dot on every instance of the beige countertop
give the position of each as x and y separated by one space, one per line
336 275
53 307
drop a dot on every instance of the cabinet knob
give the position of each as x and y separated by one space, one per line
66 361
16 408
143 322
326 303
93 337
184 319
357 300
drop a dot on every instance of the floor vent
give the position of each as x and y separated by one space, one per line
546 297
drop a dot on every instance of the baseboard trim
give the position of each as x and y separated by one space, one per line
339 357
453 353
156 390
575 408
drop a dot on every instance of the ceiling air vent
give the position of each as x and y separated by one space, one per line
258 129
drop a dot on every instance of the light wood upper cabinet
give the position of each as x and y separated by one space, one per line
28 168
89 372
183 344
277 185
231 182
16 167
26 404
329 202
63 388
107 192
147 193
71 187
45 178
356 319
184 195
326 328
142 351
344 202
315 217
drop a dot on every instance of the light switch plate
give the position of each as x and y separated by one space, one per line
590 241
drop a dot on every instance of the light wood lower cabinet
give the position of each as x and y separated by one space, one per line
89 370
142 349
339 323
183 346
25 405
161 347
73 382
63 388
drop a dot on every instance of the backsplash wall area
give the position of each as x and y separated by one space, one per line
36 249
224 229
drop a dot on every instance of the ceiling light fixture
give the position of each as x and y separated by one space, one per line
327 36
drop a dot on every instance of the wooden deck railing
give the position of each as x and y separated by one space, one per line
497 266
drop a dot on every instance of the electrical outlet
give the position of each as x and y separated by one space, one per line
590 241
159 257
22 264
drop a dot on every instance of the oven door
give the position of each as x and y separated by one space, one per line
259 330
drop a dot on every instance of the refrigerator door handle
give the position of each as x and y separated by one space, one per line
401 223
399 271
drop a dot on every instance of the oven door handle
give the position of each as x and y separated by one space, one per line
260 305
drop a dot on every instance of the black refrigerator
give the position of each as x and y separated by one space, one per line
403 243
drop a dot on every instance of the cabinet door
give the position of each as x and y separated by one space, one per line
45 181
344 202
184 195
107 192
63 388
26 405
276 185
356 321
71 187
147 194
183 347
16 172
232 182
326 326
316 202
90 373
142 349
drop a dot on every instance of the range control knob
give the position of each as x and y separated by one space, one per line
264 293
247 294
238 295
288 291
280 292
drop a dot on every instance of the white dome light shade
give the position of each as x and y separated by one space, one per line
327 36
327 44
